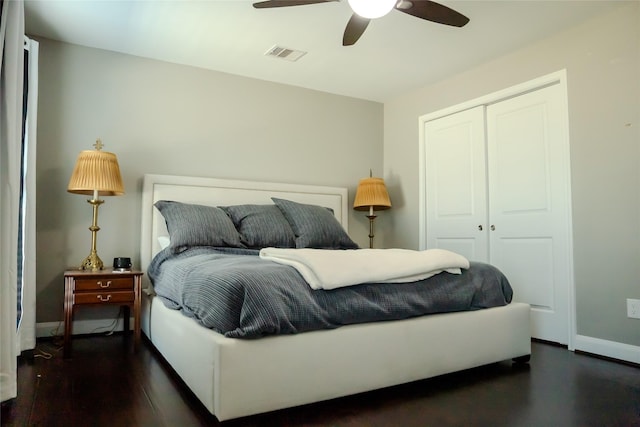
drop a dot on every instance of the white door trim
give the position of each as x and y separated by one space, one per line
558 77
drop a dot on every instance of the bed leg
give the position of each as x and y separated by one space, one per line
522 359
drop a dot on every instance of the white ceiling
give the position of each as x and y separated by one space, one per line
396 54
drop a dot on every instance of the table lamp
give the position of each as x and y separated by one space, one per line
371 196
96 174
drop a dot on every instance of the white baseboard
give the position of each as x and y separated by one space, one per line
615 350
80 327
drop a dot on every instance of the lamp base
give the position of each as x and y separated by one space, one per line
371 219
92 262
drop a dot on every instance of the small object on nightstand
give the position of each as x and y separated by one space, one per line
93 288
121 264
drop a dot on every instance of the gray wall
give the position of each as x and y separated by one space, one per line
171 119
602 58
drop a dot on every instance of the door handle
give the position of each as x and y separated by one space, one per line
480 227
493 227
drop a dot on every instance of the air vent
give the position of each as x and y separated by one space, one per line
285 53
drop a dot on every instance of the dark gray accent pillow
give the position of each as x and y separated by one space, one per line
196 225
261 226
314 226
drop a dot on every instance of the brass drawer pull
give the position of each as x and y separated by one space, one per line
103 299
104 285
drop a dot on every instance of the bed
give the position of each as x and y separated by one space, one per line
235 377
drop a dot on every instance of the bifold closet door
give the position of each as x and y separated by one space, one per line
456 187
528 176
497 190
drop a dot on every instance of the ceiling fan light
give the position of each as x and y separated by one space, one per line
372 8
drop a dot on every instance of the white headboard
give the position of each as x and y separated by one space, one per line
223 192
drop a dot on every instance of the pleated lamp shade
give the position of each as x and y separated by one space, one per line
96 171
371 192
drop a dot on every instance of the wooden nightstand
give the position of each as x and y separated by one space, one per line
103 287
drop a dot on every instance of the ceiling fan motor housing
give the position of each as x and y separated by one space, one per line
372 9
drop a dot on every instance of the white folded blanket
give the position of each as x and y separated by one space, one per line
330 269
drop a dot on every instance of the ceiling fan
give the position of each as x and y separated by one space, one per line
424 9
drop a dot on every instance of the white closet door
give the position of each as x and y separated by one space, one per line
456 191
528 172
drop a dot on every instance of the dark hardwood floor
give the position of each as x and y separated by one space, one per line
106 384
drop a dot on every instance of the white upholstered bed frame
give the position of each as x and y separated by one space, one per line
235 377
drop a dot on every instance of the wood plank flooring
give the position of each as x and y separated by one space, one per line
106 384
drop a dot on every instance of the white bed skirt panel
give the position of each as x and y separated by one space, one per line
234 377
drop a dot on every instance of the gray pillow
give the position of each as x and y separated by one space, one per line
261 226
314 226
196 225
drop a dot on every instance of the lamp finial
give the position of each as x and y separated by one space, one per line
98 145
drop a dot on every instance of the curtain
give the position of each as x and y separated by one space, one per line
11 139
26 304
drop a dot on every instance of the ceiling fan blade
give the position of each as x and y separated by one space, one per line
286 3
432 11
355 28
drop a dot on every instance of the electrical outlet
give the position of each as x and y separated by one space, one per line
633 308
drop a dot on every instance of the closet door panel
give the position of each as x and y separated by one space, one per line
456 195
518 140
528 204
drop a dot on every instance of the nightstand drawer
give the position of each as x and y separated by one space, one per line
104 283
103 297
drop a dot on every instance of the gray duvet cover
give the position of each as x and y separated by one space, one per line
235 293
